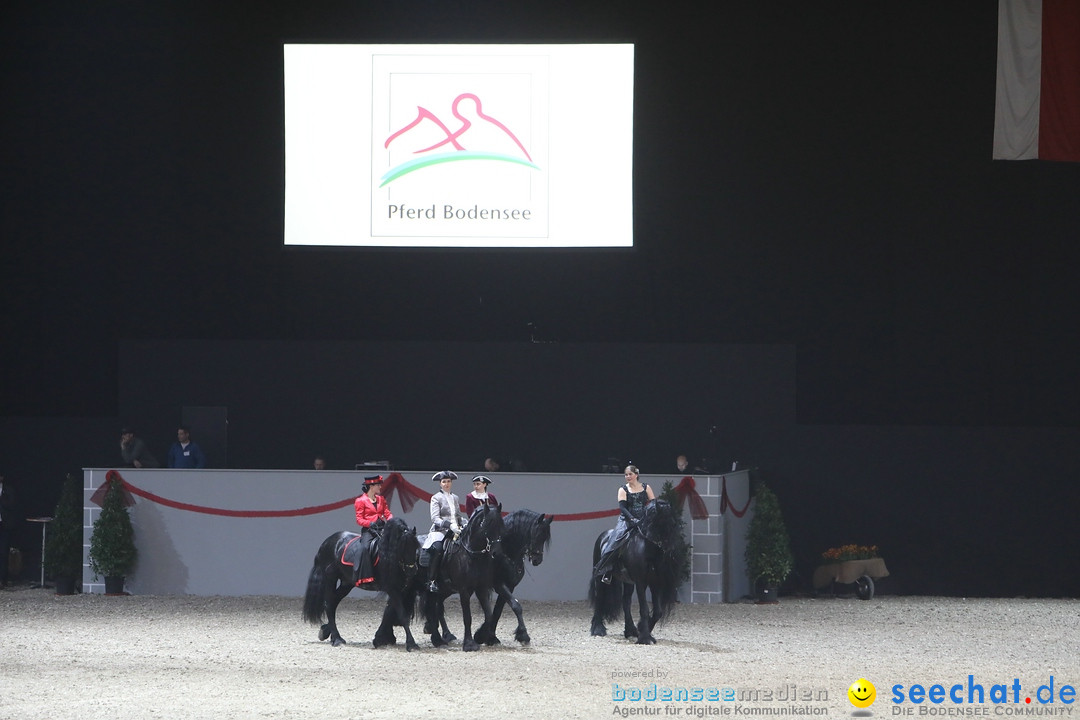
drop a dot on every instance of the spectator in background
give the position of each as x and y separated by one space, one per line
491 465
682 465
185 454
133 451
320 462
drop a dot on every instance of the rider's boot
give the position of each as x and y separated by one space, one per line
433 571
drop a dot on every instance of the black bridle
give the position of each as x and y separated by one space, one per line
489 545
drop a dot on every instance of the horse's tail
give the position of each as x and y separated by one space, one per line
604 598
314 601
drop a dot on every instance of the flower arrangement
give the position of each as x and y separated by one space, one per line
849 552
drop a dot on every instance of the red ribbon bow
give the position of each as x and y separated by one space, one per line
687 489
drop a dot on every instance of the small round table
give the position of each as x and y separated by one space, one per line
44 523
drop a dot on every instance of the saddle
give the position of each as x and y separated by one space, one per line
352 554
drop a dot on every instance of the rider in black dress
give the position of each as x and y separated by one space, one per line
633 496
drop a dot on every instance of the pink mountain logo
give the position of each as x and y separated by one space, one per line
477 137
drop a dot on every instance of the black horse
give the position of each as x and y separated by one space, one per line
526 535
468 568
654 557
333 576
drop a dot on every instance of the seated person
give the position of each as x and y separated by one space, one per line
372 512
445 511
479 495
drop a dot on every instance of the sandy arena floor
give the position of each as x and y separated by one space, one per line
138 657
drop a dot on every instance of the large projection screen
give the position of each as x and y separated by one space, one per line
489 146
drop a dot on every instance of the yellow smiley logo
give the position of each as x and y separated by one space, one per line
862 693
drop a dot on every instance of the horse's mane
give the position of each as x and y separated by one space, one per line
660 527
519 528
395 541
659 523
472 526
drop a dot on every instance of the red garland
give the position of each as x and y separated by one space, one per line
409 492
110 477
725 501
686 489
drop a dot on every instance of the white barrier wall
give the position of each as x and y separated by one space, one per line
200 533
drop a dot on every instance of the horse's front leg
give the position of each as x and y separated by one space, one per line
644 625
402 613
468 644
333 598
385 634
486 633
598 593
520 633
484 596
629 629
433 610
657 607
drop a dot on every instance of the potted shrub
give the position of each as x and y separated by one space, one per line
112 542
768 550
64 538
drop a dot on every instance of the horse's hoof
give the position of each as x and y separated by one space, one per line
470 646
381 641
337 641
646 640
437 641
449 637
522 637
598 631
493 641
411 645
429 628
324 632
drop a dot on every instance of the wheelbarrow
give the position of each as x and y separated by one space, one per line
860 573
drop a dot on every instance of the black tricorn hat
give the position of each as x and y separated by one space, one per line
482 478
438 477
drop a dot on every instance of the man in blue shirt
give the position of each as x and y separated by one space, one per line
184 453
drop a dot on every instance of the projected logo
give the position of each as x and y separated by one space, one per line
459 146
491 135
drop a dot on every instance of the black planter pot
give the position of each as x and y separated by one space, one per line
767 594
114 584
65 585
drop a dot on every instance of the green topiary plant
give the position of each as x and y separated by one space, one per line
112 543
64 536
768 550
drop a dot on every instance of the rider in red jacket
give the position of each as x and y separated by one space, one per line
372 511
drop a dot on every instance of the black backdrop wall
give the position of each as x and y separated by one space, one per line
806 175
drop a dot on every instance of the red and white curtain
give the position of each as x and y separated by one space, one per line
1037 111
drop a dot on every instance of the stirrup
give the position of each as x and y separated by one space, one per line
433 586
606 578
